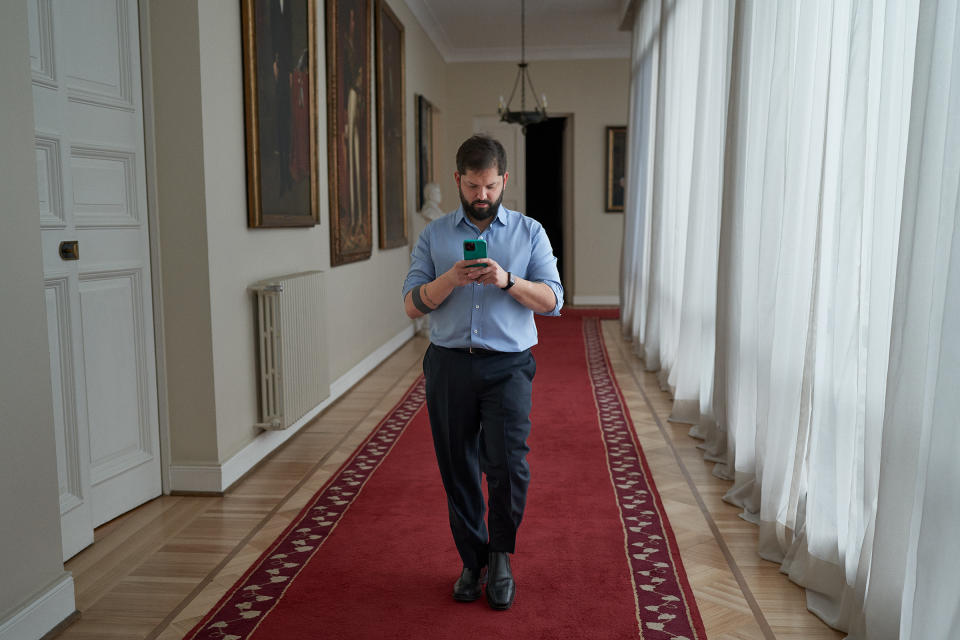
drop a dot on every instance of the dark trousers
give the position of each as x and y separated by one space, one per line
479 408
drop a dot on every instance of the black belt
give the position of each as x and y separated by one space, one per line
476 351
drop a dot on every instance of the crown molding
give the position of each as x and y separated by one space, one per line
428 21
434 30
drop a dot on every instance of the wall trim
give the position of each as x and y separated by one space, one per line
196 478
153 225
52 606
587 301
219 478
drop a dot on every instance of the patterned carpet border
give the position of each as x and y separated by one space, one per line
664 600
250 600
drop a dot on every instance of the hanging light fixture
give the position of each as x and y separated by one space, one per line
539 112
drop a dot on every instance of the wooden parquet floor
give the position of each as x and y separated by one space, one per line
154 572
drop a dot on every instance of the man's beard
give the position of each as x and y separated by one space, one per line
482 213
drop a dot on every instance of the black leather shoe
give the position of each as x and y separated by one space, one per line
470 584
501 588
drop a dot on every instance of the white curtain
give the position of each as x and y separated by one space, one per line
790 270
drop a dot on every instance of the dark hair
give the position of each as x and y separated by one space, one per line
481 152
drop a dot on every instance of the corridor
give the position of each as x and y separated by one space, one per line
154 572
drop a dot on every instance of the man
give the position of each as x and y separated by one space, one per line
478 368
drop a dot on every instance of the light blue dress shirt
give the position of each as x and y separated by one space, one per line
479 315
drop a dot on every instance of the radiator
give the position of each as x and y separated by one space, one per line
292 347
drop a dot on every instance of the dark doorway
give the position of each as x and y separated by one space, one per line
544 188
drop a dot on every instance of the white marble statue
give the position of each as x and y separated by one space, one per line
431 206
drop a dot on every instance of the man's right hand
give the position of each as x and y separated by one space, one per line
434 293
463 272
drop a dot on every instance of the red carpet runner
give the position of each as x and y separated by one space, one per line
372 556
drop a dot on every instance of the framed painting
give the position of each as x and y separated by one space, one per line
279 87
391 125
428 122
348 129
616 169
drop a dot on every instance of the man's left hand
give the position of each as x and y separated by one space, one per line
493 273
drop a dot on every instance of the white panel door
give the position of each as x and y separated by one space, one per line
511 137
92 190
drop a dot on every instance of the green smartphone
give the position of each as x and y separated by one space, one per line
475 249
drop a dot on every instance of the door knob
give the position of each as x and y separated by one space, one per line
70 250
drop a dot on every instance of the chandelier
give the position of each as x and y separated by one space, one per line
539 112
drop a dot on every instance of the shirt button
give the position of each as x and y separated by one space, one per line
475 331
478 306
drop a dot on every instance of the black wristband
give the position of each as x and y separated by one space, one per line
418 301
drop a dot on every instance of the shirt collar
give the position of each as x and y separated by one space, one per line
461 217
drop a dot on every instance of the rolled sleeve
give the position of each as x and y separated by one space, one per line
558 292
543 268
422 269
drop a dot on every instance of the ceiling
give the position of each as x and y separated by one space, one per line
470 31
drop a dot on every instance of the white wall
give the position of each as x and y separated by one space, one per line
364 310
595 92
30 551
208 319
426 75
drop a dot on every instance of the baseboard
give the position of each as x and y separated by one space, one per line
35 619
196 479
586 301
218 478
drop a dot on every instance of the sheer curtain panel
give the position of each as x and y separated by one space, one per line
791 271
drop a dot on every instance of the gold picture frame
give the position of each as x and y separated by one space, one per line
280 112
348 26
616 165
428 133
391 129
